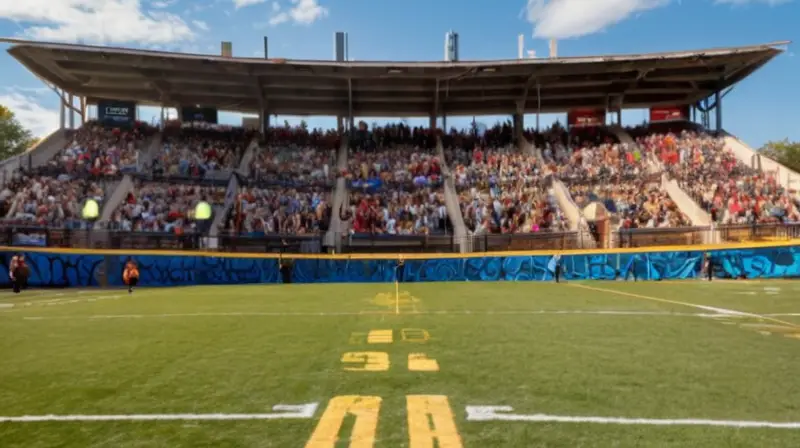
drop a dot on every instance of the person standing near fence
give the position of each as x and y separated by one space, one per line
708 265
131 275
18 273
555 267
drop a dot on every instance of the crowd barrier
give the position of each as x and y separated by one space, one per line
54 267
108 238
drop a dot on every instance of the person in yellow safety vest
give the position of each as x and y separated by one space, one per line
91 211
202 215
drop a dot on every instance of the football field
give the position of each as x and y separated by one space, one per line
448 365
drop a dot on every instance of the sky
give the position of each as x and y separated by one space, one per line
764 107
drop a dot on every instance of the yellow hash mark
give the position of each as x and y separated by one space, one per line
392 300
676 302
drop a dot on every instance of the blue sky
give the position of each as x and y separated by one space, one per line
763 107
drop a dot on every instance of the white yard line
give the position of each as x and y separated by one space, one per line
85 298
502 413
382 314
282 411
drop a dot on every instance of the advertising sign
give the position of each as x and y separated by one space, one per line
194 113
669 113
116 113
586 117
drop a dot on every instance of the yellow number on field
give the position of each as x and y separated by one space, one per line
380 337
365 410
419 362
415 335
430 420
367 361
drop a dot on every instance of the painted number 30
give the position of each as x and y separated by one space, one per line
379 362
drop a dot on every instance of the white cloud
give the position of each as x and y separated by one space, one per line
279 18
95 21
199 24
40 120
563 19
162 4
245 3
302 12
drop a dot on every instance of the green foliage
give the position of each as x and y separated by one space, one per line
14 138
785 152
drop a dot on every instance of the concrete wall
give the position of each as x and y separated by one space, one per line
337 227
577 223
116 198
786 178
247 157
39 155
451 202
150 151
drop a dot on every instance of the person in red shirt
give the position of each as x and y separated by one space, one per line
18 273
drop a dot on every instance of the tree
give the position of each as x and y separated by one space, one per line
784 152
14 138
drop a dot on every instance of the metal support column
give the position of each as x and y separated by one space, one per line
444 123
435 113
432 122
62 110
351 120
538 104
718 106
519 120
262 123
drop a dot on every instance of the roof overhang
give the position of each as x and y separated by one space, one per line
401 89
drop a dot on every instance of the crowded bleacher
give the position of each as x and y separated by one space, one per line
394 178
163 207
501 190
730 191
98 150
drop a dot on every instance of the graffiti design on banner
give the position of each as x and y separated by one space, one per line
62 269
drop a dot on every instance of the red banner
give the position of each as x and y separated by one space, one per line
669 113
586 117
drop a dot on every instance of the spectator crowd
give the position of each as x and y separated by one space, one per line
395 179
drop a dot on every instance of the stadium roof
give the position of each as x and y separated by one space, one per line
305 87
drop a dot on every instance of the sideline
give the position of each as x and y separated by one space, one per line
609 313
719 311
502 413
282 411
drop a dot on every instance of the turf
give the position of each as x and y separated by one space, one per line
540 348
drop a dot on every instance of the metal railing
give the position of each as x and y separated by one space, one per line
22 235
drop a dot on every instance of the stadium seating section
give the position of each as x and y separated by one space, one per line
394 177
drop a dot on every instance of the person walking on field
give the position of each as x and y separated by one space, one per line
18 273
131 275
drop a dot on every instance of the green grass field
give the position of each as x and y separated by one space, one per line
205 366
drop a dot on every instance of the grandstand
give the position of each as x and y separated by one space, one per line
446 281
352 189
